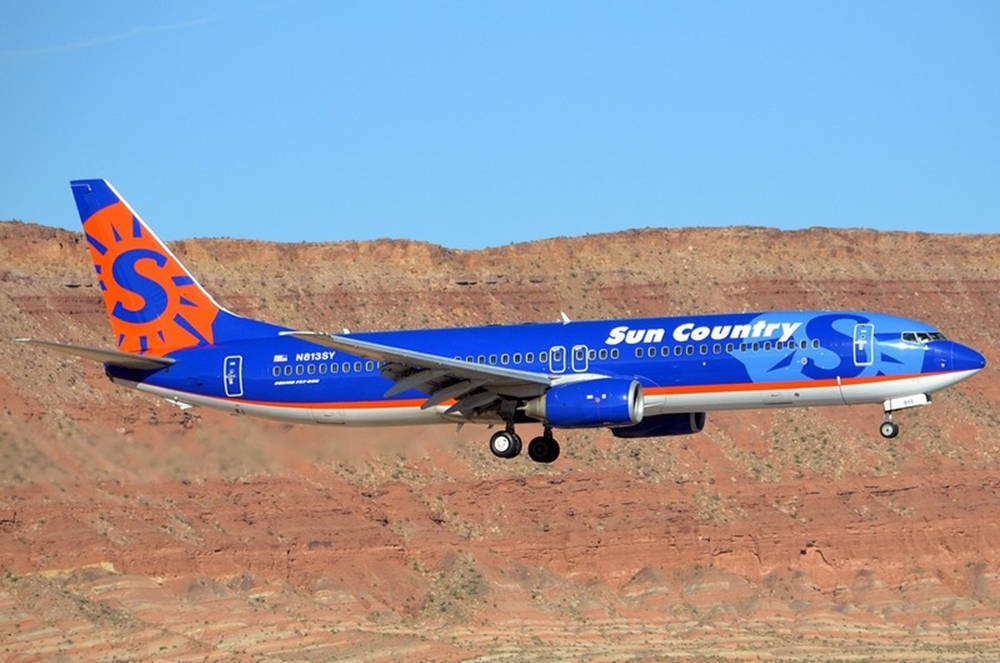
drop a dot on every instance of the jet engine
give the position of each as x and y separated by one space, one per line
589 403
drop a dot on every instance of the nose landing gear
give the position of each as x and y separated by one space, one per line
890 429
507 444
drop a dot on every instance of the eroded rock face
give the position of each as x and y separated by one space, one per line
130 529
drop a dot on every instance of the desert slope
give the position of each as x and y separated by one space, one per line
131 530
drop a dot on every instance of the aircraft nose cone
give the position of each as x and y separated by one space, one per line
964 358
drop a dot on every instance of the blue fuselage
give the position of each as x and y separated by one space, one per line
683 363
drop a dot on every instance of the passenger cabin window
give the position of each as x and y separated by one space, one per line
614 353
603 353
767 345
716 349
592 354
517 357
803 344
299 369
729 347
529 358
311 369
690 350
346 366
334 367
678 350
276 371
493 359
703 349
322 369
638 352
816 343
543 357
369 366
481 359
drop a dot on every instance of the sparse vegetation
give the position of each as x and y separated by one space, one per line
415 543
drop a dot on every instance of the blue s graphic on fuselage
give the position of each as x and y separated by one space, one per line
833 327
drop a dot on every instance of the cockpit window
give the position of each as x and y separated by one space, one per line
922 337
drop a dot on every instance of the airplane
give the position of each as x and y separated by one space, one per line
644 377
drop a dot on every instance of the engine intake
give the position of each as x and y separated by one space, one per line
601 402
659 425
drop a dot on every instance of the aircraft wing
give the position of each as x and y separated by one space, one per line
474 385
114 357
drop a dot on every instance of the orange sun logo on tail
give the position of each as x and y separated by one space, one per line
154 304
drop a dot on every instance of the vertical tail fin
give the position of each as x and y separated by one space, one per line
155 305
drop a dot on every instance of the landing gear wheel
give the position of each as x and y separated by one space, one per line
889 429
543 449
505 444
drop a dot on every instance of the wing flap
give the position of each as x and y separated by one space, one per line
113 357
415 380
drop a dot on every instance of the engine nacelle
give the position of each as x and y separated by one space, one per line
589 403
684 423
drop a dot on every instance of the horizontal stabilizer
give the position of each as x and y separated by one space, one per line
113 357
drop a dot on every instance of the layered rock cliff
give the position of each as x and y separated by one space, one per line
131 529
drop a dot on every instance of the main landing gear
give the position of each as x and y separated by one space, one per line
507 444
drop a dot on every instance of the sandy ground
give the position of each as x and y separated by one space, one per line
132 531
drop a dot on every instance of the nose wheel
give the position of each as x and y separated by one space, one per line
889 429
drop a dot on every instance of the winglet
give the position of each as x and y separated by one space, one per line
565 318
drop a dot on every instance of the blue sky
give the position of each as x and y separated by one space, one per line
474 124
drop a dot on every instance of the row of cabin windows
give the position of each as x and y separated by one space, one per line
640 352
756 346
529 357
323 369
543 356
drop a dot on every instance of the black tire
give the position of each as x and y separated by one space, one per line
505 444
553 451
543 449
889 429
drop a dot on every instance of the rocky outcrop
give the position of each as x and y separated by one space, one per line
130 529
